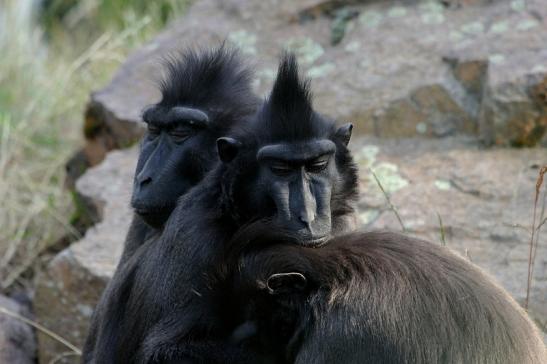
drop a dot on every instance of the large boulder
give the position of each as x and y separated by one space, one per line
483 200
17 340
396 69
67 291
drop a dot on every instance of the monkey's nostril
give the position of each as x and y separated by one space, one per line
145 180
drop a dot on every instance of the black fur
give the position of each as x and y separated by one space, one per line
166 304
213 81
288 113
380 297
176 154
216 81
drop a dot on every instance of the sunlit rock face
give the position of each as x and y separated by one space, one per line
426 68
72 283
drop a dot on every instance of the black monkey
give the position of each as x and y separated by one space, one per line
289 166
378 297
204 94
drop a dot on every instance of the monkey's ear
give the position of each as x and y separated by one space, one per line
286 283
344 133
227 148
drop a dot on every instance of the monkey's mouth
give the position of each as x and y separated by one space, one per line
148 211
154 216
144 209
315 242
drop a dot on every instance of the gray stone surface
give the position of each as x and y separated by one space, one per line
402 68
67 291
17 340
479 194
483 199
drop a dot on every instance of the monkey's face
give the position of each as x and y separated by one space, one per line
298 178
293 186
176 152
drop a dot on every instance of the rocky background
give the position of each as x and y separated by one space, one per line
449 101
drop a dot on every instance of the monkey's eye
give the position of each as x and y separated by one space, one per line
153 131
179 135
281 169
317 165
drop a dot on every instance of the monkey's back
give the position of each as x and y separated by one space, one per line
383 297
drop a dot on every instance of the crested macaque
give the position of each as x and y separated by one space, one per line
204 94
288 167
376 297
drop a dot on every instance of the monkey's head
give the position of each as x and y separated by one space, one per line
292 164
203 95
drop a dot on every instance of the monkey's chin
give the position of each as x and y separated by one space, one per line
156 218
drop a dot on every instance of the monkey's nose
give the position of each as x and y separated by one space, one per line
307 218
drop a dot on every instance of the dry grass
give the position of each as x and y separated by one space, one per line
388 201
42 329
537 223
43 92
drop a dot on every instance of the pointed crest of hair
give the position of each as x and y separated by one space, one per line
214 79
288 113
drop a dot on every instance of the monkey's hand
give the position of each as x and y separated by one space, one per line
243 332
284 283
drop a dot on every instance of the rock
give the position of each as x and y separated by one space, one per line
483 199
398 69
67 291
514 113
478 194
17 341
